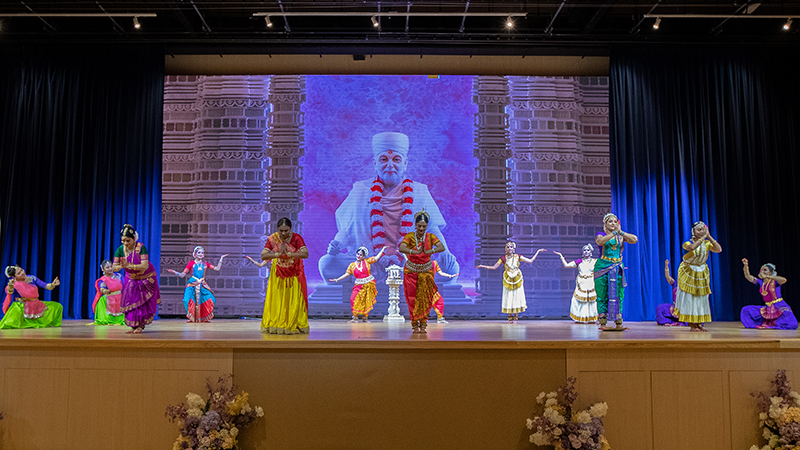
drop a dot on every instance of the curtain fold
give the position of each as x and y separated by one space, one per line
711 135
80 155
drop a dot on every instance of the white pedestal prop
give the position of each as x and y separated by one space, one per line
394 280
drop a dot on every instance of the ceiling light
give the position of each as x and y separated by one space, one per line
136 23
788 24
375 22
269 22
509 22
657 23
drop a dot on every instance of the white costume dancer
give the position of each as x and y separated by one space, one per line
583 307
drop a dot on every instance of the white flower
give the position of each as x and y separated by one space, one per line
259 412
194 401
539 439
234 432
550 402
762 416
529 424
599 409
796 397
556 431
767 434
194 412
246 408
540 398
583 417
553 394
776 409
554 416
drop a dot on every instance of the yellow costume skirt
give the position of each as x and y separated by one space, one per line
284 306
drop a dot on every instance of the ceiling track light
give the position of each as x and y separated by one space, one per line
375 22
509 22
136 23
788 24
269 22
657 23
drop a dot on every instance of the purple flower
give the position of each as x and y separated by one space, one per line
210 421
176 412
790 433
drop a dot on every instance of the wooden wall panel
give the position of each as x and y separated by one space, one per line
368 400
689 410
629 404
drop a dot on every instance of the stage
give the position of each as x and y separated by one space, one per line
466 384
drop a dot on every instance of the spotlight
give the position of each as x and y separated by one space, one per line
269 22
788 24
375 22
136 23
509 22
657 23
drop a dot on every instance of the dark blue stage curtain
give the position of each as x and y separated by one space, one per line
712 135
80 155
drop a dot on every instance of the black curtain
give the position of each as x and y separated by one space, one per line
80 155
712 135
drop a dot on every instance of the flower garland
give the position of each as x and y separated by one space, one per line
779 415
376 212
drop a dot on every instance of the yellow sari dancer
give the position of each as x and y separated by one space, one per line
286 303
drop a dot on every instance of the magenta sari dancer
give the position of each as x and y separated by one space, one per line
140 295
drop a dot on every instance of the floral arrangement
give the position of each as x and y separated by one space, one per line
213 423
779 415
563 428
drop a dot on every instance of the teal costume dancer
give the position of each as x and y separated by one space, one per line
609 273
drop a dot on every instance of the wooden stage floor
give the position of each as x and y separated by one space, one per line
466 384
457 334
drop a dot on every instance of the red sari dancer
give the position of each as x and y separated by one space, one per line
418 284
286 302
140 294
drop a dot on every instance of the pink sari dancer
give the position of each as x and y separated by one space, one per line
29 296
112 301
140 294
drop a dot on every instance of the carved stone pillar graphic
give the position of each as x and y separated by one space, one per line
285 146
554 205
492 197
214 197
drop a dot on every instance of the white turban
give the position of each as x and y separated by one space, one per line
396 142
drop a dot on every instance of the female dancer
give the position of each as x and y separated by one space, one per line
418 284
28 311
611 241
106 305
364 291
776 313
438 300
694 283
140 294
666 313
286 302
198 298
513 293
583 306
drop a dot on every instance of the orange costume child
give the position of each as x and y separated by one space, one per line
364 291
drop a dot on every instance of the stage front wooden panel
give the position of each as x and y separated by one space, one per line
366 386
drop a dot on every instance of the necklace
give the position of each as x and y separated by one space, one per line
416 240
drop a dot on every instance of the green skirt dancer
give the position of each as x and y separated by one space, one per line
106 303
609 272
15 317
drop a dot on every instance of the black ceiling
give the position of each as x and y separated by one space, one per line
200 26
